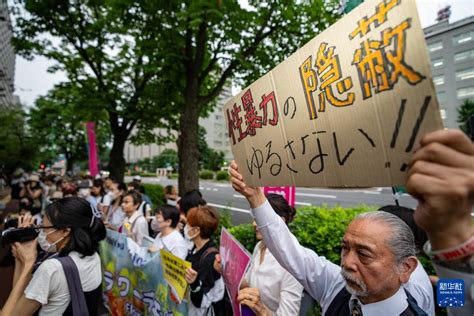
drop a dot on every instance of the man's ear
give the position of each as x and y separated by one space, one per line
406 268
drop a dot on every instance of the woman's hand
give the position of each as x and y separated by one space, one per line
218 264
254 195
152 249
25 221
190 276
25 252
251 297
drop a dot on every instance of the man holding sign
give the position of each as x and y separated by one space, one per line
378 251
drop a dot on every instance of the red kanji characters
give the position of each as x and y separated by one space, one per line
263 105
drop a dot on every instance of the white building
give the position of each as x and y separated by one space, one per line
217 136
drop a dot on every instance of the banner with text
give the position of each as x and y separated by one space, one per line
135 290
345 110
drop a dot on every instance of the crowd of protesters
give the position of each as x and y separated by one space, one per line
379 273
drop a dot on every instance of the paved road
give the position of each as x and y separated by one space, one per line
221 195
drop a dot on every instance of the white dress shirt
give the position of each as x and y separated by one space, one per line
280 292
320 277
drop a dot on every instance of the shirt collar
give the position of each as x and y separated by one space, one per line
134 217
393 305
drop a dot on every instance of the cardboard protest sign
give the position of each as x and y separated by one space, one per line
287 192
174 269
134 290
345 110
235 260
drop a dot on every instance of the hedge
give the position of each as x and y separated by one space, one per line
206 174
155 192
222 176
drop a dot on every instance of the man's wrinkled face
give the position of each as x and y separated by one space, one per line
368 265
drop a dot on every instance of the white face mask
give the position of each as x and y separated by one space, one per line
186 234
155 225
45 244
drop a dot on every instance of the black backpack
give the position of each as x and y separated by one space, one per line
224 306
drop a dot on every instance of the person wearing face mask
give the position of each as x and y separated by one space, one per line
169 238
114 213
73 229
276 290
206 286
135 224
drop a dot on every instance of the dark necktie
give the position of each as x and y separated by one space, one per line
356 309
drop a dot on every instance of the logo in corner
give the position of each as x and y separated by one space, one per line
450 292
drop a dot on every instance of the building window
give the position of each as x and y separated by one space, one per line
437 63
438 80
464 56
443 113
465 92
465 74
433 47
463 38
441 96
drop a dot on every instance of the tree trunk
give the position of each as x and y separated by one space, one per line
187 144
117 161
69 162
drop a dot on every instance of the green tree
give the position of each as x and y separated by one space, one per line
210 42
17 148
110 50
58 125
167 158
465 112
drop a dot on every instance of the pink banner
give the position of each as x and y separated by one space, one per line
235 260
93 161
287 192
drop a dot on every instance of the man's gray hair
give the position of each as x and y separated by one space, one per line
401 241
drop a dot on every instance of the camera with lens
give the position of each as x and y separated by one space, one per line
11 233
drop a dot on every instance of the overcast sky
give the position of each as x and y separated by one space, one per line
32 79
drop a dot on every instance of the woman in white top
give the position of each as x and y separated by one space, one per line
266 282
135 224
115 214
169 238
72 227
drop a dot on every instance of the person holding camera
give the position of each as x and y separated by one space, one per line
72 231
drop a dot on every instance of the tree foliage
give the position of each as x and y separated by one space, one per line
210 42
58 124
17 147
110 51
465 112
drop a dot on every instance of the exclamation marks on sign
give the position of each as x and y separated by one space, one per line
415 129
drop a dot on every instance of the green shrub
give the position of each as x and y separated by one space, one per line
155 192
206 174
322 228
222 176
245 234
173 176
147 174
225 220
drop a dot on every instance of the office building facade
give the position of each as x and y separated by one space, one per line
451 49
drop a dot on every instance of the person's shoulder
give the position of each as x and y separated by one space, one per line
49 266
